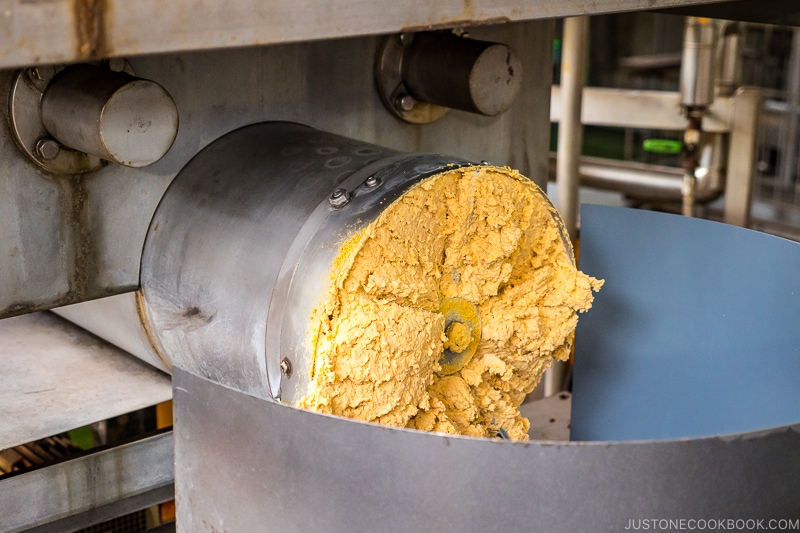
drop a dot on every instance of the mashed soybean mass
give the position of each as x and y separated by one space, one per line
469 263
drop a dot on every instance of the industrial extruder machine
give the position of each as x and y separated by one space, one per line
192 208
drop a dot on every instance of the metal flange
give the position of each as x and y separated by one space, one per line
29 132
392 90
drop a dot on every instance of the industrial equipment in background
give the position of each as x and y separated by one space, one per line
175 188
717 118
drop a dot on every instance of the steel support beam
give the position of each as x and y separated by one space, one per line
142 469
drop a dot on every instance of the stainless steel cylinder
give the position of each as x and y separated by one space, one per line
697 63
240 248
112 115
475 76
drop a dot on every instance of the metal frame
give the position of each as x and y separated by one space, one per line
90 489
77 238
737 116
57 377
64 31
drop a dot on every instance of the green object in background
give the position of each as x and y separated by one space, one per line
662 146
83 437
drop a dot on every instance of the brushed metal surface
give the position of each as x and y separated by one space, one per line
302 471
71 239
112 115
141 470
56 377
259 199
63 31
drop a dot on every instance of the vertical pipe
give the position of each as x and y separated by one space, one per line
788 155
570 131
729 76
570 139
742 152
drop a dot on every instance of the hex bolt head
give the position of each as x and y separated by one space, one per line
372 182
286 367
339 198
42 73
47 149
405 102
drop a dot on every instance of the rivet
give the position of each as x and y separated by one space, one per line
406 38
47 149
286 367
485 163
372 182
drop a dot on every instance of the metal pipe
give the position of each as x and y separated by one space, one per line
697 63
697 93
475 76
787 166
570 130
642 181
730 61
112 115
570 140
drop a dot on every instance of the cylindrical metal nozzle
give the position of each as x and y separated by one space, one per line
475 76
113 115
697 63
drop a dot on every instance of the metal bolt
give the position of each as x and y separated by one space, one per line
42 73
117 64
47 149
485 163
405 103
286 367
339 198
372 182
406 38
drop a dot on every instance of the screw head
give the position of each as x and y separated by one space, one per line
406 38
405 102
372 182
42 73
117 64
485 163
286 367
47 149
339 198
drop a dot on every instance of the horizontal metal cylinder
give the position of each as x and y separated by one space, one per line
475 76
112 115
241 245
642 181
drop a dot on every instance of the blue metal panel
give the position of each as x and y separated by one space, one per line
695 333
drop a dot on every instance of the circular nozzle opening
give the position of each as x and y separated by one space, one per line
462 326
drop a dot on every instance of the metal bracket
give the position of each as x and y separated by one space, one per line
389 81
27 128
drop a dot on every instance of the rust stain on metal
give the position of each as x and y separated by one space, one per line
81 252
466 22
85 260
469 11
90 28
147 330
